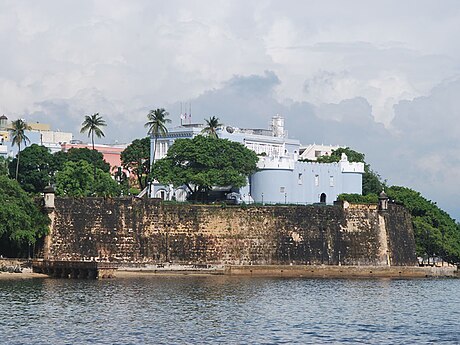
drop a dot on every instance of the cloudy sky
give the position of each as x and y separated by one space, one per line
381 77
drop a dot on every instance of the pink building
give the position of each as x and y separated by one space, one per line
111 153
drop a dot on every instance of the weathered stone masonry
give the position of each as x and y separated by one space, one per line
147 231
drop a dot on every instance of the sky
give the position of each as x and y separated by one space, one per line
382 77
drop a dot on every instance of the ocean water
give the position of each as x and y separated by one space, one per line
229 310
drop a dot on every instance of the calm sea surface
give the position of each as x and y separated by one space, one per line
229 310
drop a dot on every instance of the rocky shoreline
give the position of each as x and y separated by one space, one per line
25 274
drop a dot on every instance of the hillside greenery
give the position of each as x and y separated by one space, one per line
436 233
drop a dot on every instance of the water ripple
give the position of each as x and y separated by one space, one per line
223 310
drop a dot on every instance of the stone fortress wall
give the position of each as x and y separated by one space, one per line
130 231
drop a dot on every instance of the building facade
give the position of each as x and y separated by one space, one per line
281 177
39 133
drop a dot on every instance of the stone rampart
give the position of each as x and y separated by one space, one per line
148 231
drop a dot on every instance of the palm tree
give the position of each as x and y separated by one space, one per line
211 127
18 137
91 125
157 125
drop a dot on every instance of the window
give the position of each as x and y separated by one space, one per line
316 180
300 178
317 154
331 181
282 189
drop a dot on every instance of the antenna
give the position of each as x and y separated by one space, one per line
190 111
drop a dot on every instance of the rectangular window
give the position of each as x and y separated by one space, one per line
331 181
300 178
317 180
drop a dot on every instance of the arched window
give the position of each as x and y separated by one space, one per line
322 198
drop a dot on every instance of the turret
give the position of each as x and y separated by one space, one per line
49 197
3 122
278 126
383 201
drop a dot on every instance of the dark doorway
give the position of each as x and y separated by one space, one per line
322 198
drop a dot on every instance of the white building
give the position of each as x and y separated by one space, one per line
280 178
39 133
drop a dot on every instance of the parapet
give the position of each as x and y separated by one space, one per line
351 167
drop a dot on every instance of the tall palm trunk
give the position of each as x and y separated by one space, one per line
150 180
17 161
154 149
94 163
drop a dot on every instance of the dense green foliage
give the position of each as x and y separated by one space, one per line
359 199
36 168
436 233
203 162
136 159
4 166
93 157
372 182
78 179
336 155
21 220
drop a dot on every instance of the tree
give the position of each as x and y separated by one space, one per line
36 168
92 124
436 233
105 185
336 155
136 159
18 136
77 179
156 124
21 220
211 127
372 182
93 157
4 166
203 162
